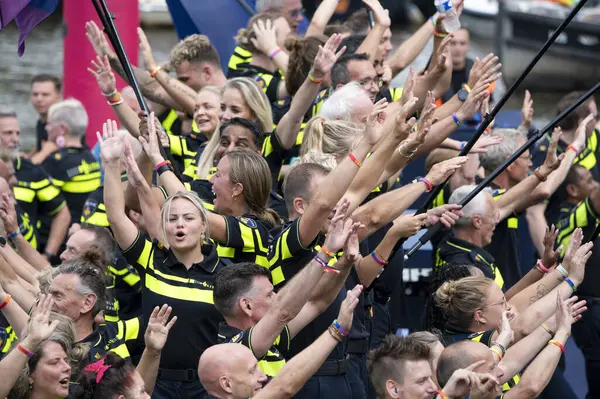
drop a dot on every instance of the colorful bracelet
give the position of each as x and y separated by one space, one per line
467 88
155 71
539 175
325 266
499 345
337 325
161 164
5 302
13 235
441 394
572 147
433 21
456 120
427 183
439 34
562 271
274 53
497 352
555 342
355 160
312 78
327 252
111 94
540 264
379 260
462 145
335 333
26 352
571 283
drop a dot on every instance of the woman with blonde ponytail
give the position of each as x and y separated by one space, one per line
330 137
264 39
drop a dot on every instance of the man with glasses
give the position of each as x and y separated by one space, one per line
356 68
291 9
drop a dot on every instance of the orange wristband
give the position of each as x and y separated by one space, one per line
5 302
155 71
561 346
327 252
355 160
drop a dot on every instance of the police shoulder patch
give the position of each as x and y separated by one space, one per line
260 81
248 222
237 338
89 208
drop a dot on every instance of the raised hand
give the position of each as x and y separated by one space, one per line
506 334
423 125
348 306
552 161
387 75
447 214
581 132
134 175
574 244
527 111
460 382
98 40
339 228
443 170
351 248
485 109
473 102
150 144
444 59
326 56
408 225
487 66
158 328
550 254
40 327
409 85
104 76
265 39
146 51
111 143
484 142
578 262
564 315
381 15
8 214
376 119
404 127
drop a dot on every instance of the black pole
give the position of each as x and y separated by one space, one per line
107 20
535 137
489 117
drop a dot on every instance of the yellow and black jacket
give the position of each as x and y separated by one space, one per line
76 173
460 252
188 291
267 80
273 361
26 226
239 56
184 149
8 337
485 337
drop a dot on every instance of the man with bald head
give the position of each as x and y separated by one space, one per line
230 371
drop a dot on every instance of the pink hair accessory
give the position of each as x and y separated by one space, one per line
98 368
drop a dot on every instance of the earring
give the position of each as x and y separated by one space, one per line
395 390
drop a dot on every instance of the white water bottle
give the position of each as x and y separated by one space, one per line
451 21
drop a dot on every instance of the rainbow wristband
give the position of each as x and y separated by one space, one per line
337 325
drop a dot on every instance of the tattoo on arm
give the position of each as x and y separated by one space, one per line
180 87
541 291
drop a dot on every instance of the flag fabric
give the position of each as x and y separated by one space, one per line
27 14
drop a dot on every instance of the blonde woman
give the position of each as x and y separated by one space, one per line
178 270
264 38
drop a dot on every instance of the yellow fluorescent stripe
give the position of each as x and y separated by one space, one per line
285 251
131 279
277 276
181 293
225 252
513 223
97 219
271 368
145 257
24 194
121 350
81 187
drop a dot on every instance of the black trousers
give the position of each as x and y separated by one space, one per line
586 333
326 387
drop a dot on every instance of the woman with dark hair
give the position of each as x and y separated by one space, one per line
112 377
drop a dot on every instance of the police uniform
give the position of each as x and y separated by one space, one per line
7 336
485 337
287 257
585 331
504 247
240 56
185 148
76 173
171 123
455 251
273 361
190 293
267 80
26 226
37 197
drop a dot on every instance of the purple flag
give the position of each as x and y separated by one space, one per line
27 14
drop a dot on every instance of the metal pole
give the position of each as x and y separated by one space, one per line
536 136
489 117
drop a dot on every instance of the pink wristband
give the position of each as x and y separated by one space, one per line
541 266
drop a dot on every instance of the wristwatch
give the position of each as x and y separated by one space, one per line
463 94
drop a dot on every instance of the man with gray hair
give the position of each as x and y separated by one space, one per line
504 246
291 10
348 103
73 168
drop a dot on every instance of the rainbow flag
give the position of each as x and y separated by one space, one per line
27 14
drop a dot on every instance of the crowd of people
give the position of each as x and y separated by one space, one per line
244 238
